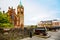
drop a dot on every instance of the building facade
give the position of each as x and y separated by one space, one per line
55 23
16 18
49 23
45 24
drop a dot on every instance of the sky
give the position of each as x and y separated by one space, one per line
35 10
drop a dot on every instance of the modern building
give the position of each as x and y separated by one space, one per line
17 18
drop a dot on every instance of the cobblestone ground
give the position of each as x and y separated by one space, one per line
54 36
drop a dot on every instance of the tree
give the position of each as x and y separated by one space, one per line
4 22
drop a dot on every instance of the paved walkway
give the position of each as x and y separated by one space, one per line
54 36
33 38
26 38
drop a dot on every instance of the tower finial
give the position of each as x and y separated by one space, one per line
20 3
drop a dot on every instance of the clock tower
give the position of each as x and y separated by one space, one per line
20 16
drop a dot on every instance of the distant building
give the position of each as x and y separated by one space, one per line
17 19
49 23
56 23
45 23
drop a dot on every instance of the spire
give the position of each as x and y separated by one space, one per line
20 3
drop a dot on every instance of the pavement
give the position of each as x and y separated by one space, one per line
54 36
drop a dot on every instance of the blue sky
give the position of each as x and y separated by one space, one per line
35 10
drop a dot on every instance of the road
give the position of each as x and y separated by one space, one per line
54 36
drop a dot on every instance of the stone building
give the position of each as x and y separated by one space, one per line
17 18
55 23
45 23
49 23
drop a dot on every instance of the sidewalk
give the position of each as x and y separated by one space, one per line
53 36
26 38
35 37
